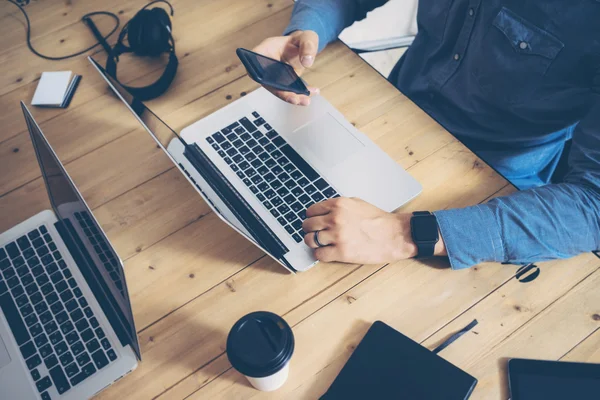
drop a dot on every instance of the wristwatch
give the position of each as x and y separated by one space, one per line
424 230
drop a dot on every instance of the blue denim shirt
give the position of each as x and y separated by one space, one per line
513 80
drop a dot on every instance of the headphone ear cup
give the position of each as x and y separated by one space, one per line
135 34
161 29
162 16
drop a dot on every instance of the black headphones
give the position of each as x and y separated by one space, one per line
148 34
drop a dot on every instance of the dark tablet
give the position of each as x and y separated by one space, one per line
550 380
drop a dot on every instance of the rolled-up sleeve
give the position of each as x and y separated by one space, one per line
328 18
549 222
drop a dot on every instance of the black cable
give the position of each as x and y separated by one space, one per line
453 338
34 51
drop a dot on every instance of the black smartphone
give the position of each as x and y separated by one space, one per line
270 72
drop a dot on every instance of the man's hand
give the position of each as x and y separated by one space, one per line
357 232
298 49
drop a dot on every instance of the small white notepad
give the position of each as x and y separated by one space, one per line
52 89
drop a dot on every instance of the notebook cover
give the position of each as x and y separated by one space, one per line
51 88
388 365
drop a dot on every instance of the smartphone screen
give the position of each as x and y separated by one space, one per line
270 72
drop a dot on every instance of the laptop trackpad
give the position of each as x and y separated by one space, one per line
327 140
4 357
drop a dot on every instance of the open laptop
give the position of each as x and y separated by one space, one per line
66 325
260 163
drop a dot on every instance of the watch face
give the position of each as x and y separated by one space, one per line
425 228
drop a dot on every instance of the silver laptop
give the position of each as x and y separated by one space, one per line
260 163
66 326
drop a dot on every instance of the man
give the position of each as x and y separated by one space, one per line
512 80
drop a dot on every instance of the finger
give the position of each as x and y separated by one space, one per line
314 91
315 210
315 224
292 98
305 100
289 97
327 253
308 42
325 238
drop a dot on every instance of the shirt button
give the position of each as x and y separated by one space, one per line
456 56
523 45
471 12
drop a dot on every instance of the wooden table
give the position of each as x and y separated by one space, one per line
191 277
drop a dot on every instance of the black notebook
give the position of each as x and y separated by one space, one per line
388 365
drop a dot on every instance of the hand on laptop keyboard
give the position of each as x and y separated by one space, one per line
357 232
298 49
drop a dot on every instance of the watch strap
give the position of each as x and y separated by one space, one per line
422 213
425 250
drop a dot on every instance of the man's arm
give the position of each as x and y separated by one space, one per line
328 18
549 222
553 221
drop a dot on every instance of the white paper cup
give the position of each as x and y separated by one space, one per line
260 346
270 383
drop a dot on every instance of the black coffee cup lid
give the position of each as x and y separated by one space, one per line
260 344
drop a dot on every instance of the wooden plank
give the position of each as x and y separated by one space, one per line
59 20
588 350
204 254
476 181
54 34
509 308
173 337
549 335
336 329
21 204
187 17
150 212
71 136
133 222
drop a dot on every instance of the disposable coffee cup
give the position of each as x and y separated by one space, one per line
260 346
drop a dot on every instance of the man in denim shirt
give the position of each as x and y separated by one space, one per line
512 80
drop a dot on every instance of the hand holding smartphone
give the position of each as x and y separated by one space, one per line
270 72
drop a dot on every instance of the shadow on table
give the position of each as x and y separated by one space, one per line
436 262
503 378
187 343
267 264
344 350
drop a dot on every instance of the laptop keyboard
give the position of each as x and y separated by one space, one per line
50 319
278 176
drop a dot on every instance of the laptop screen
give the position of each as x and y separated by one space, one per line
102 269
158 129
255 228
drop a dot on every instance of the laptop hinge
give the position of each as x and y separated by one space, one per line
97 285
257 228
